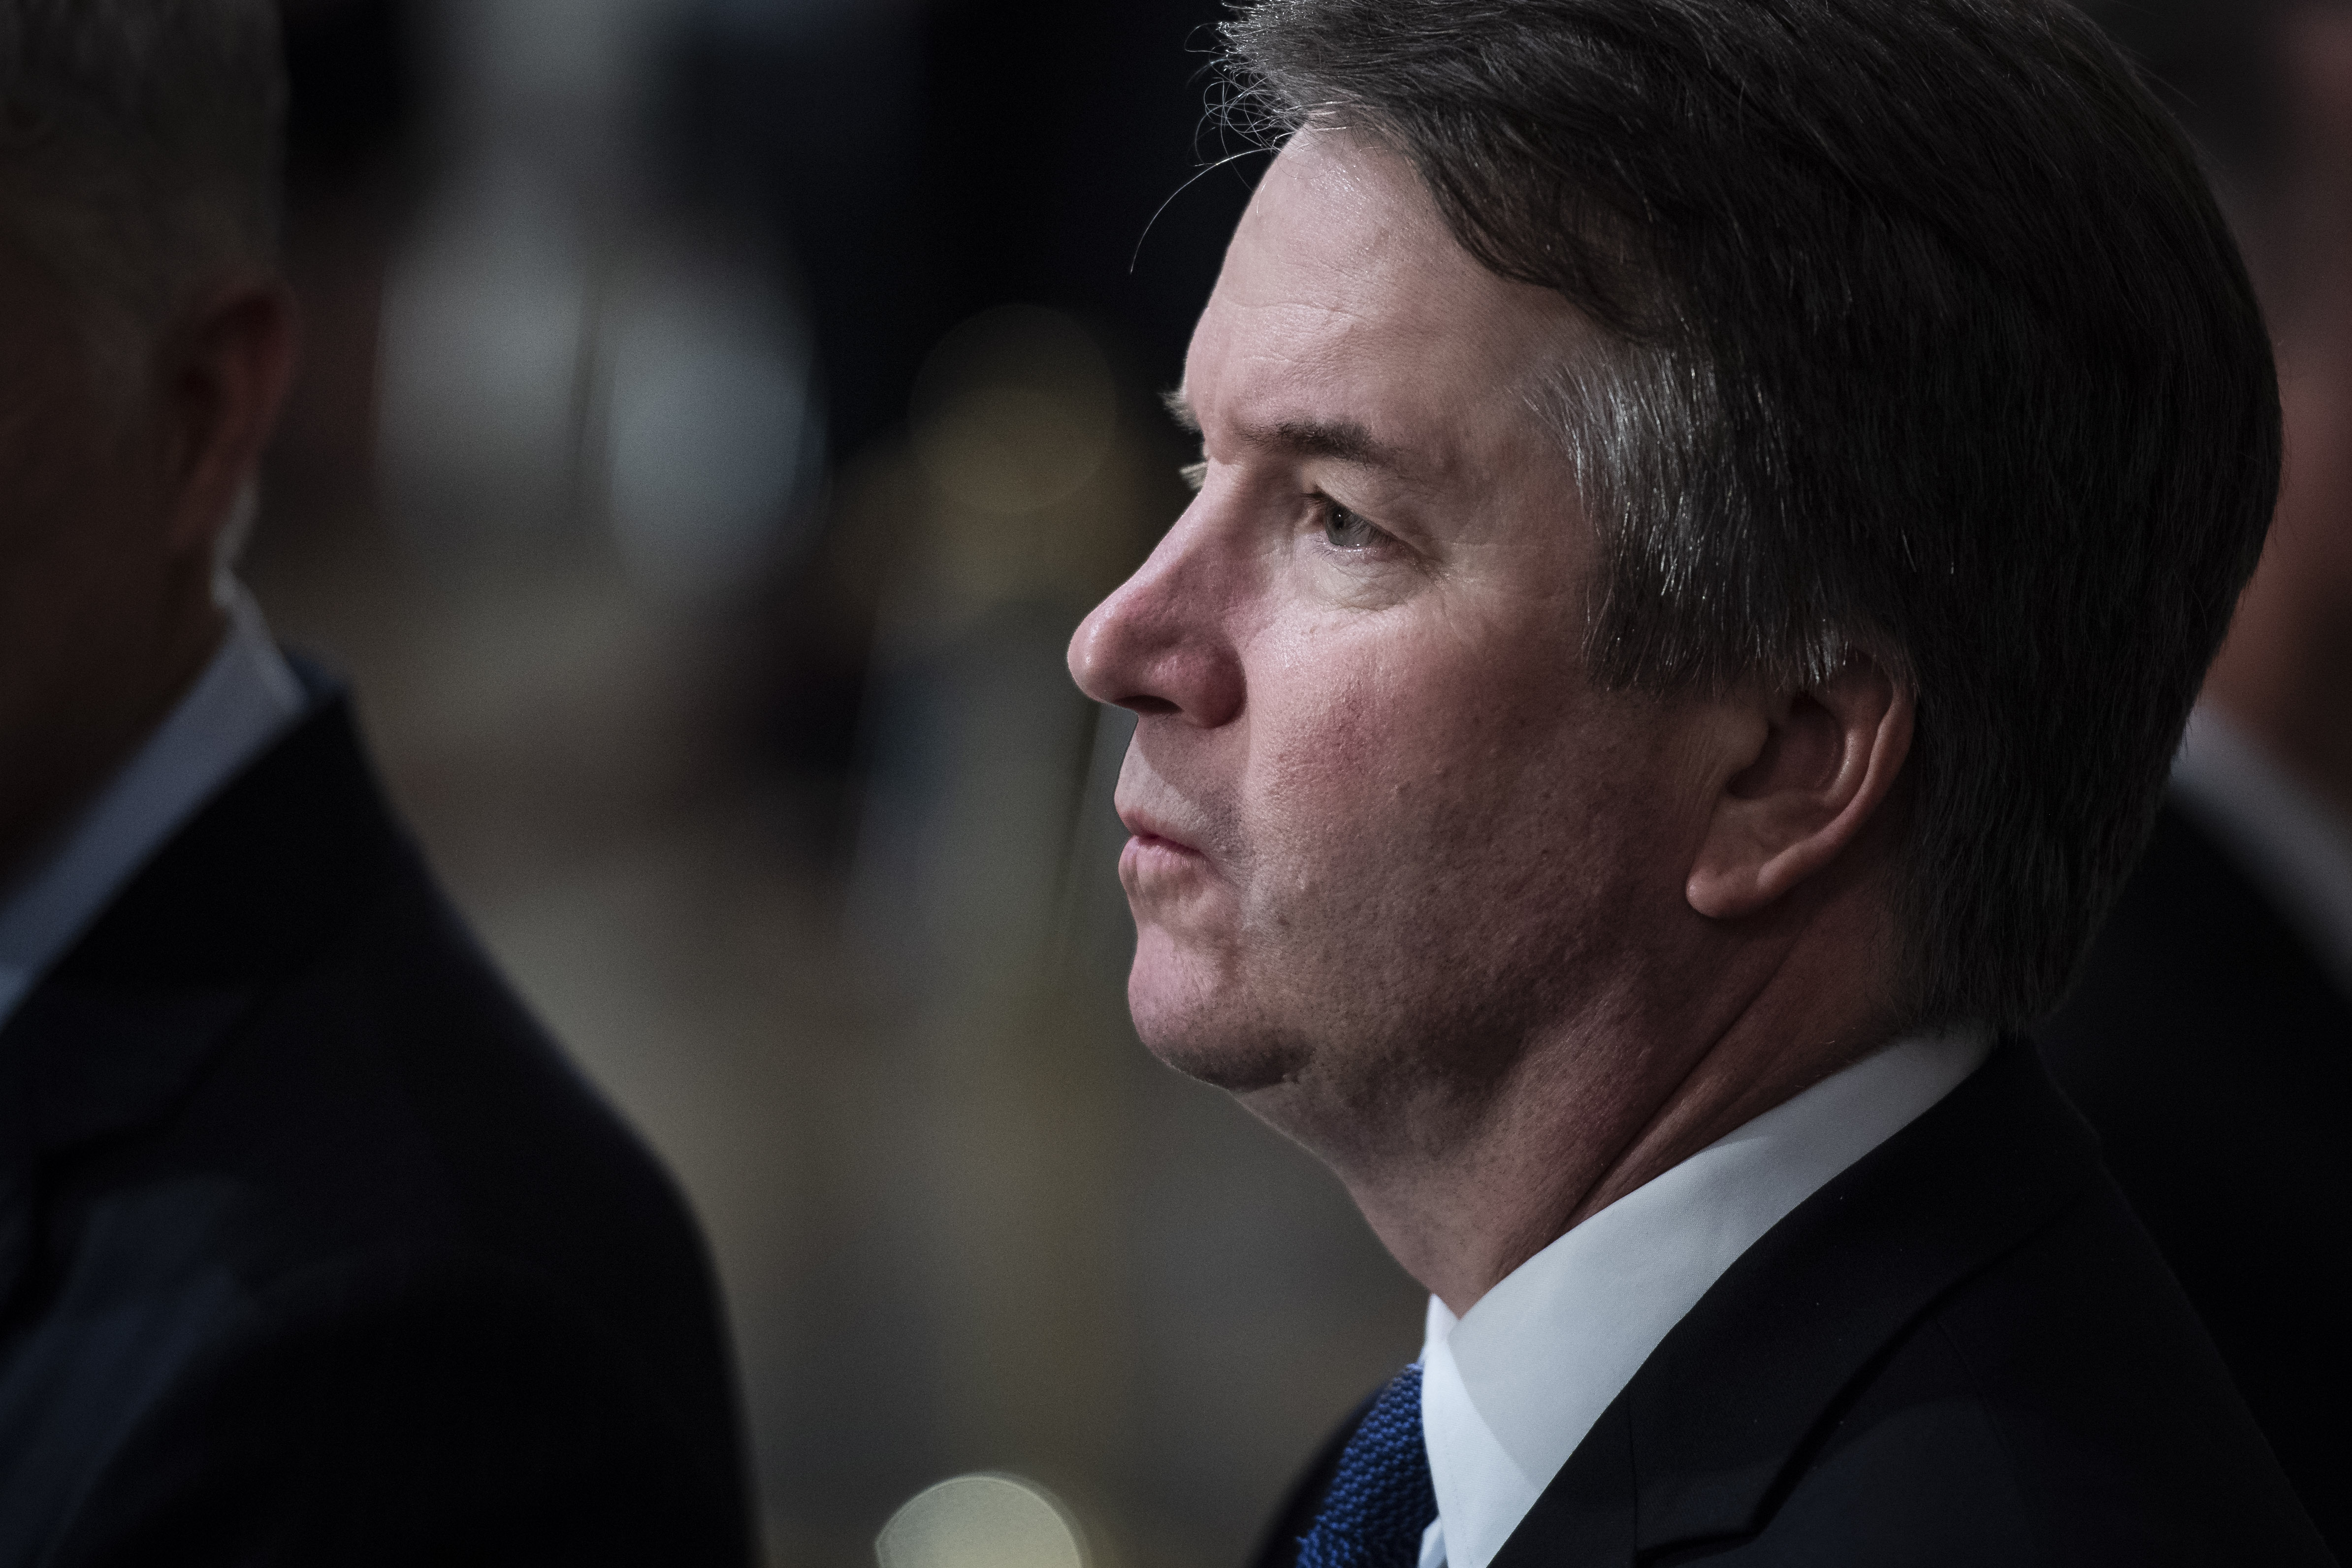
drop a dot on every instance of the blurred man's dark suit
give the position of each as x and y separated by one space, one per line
312 1247
1962 1351
2208 1043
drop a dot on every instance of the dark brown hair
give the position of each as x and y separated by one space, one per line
1927 342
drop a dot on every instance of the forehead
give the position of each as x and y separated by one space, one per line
1344 297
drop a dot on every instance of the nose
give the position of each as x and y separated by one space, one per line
1160 645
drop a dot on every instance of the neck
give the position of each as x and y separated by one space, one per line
1590 1114
64 752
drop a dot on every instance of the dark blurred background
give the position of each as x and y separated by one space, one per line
718 414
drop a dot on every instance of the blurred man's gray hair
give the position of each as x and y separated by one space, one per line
140 144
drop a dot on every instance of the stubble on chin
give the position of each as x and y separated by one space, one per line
1239 1054
1375 1080
1378 1022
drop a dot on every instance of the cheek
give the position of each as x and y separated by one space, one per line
74 525
1325 742
1365 761
1443 782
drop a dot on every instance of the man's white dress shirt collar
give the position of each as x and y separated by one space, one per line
1509 1390
246 698
2297 849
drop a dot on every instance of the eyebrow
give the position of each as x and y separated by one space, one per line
1340 441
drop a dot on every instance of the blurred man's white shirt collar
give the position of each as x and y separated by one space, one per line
246 698
1510 1389
2282 835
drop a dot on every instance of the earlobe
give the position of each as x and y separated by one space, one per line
1789 803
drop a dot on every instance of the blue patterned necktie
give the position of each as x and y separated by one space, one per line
1380 1502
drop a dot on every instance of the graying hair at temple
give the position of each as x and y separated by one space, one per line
1832 411
140 144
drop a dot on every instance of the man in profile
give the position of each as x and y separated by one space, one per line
312 1249
1714 514
2209 1037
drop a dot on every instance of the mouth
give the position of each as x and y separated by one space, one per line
1148 833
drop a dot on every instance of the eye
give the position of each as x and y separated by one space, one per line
1195 475
1342 530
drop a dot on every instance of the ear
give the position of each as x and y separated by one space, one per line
1808 771
2311 215
223 378
2315 45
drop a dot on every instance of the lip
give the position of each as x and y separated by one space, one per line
1149 833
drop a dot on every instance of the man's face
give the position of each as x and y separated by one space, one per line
1386 832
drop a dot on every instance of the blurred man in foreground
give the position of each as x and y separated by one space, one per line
312 1249
2209 1038
1714 516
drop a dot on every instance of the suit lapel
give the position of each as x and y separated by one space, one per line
91 1065
17 1148
1587 1517
117 1034
1703 1442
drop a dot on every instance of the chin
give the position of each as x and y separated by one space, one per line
1206 1032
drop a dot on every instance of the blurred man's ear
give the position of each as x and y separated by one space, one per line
1804 773
223 377
2316 45
2298 235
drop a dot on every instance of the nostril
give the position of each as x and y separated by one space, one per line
1148 705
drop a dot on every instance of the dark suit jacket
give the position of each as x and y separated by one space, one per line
314 1250
2214 1056
1962 1351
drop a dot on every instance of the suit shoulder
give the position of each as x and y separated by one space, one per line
297 1134
1914 1470
401 1408
2072 1385
387 1170
394 1090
